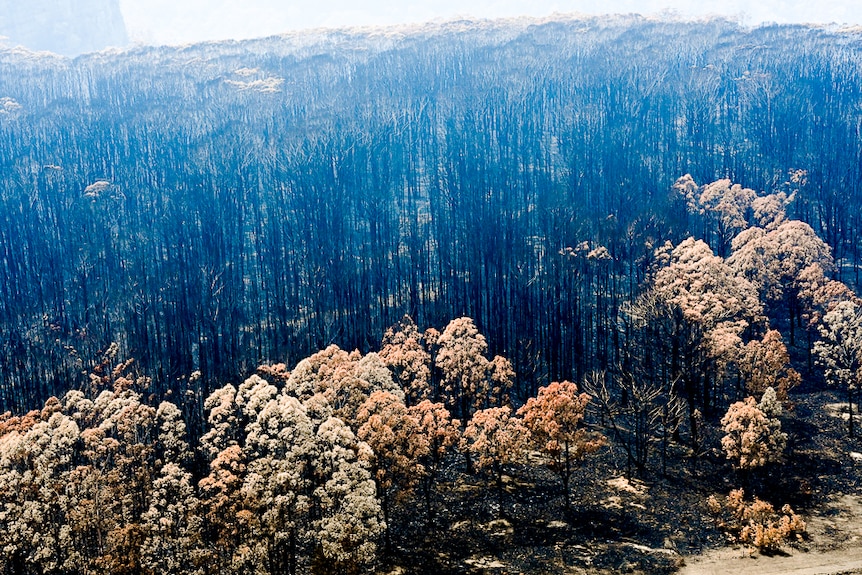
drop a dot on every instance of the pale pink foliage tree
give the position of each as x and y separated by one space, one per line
773 260
470 380
770 211
818 294
344 379
704 288
404 353
705 309
723 205
721 347
461 359
728 209
555 420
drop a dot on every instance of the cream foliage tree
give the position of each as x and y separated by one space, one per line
280 449
173 526
348 518
223 420
110 487
35 462
839 350
172 444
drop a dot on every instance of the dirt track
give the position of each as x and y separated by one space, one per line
835 547
738 562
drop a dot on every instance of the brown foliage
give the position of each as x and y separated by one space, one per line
554 418
403 351
392 432
756 523
766 363
752 438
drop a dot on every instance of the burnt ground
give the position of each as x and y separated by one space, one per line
652 524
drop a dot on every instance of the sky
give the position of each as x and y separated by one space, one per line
186 21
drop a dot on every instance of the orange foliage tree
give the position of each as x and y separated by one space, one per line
229 522
393 434
766 363
554 418
435 423
756 523
495 438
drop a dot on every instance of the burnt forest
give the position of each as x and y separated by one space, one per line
532 296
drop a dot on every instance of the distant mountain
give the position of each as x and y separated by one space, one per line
68 27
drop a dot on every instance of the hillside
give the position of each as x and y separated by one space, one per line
323 185
527 296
